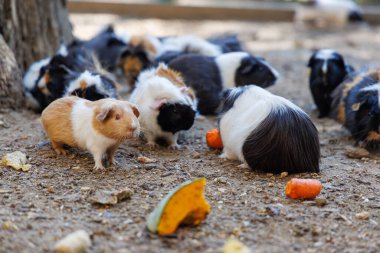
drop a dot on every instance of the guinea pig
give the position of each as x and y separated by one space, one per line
328 13
166 105
190 44
138 55
228 43
208 76
358 107
91 86
107 46
267 132
327 71
99 127
35 85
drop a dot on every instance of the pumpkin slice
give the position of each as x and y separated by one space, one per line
184 205
213 139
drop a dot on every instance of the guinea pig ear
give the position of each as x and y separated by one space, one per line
135 111
311 61
247 65
184 90
104 112
158 104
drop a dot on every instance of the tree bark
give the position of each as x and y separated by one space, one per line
32 29
11 95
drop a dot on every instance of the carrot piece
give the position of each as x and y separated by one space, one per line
303 188
213 139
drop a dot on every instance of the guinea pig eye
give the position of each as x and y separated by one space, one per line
117 116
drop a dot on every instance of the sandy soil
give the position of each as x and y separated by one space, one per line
39 207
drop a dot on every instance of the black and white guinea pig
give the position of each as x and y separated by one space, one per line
327 71
174 47
228 43
267 132
34 81
91 86
208 76
166 105
107 46
358 107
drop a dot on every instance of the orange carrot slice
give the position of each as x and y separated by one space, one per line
303 188
213 139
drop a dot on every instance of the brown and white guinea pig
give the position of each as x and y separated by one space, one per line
138 55
166 105
267 132
327 70
208 76
357 106
99 127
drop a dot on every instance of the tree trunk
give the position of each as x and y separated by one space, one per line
32 29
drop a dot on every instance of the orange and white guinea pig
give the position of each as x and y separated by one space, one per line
99 126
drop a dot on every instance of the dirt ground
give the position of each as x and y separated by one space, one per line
39 207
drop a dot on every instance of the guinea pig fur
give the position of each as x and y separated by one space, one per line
357 106
91 86
139 54
166 105
228 43
208 76
107 46
99 127
327 71
267 132
190 44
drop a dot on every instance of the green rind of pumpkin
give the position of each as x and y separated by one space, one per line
153 219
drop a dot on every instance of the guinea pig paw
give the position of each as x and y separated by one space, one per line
152 145
60 151
99 167
243 166
174 147
114 163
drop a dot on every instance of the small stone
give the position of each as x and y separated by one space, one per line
284 174
9 226
196 155
362 215
110 197
320 202
50 189
221 180
222 190
85 188
144 159
76 242
316 230
356 153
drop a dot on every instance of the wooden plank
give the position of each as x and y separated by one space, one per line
259 12
165 11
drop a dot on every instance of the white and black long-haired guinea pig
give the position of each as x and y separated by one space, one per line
91 86
166 105
70 75
208 76
174 47
327 70
36 78
267 132
357 106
